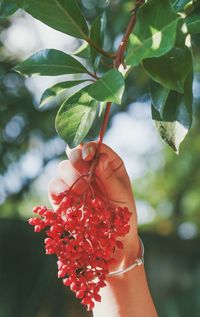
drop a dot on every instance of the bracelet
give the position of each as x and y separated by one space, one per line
139 261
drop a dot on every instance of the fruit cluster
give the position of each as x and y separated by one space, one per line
83 233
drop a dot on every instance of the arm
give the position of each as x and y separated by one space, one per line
126 295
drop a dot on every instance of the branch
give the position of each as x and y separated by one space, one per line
119 59
123 44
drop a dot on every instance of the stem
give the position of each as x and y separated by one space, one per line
92 75
120 53
99 49
100 140
119 59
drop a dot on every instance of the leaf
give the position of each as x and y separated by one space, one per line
7 8
196 3
193 22
50 62
83 51
155 31
171 69
175 119
96 126
95 5
108 88
75 117
62 15
54 91
159 95
104 4
97 34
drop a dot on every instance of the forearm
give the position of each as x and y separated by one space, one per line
126 295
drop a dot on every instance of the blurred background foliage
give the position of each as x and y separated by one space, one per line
166 186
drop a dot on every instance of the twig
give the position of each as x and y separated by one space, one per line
123 44
119 59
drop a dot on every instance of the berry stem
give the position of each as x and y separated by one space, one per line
118 61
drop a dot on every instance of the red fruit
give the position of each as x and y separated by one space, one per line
97 297
97 203
119 244
37 228
66 282
90 305
83 233
74 287
80 294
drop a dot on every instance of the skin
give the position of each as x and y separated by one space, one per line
126 295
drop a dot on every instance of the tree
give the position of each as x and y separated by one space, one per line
160 42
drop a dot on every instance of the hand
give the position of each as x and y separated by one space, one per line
112 172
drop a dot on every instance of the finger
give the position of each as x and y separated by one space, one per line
115 162
70 175
55 187
67 173
110 183
75 157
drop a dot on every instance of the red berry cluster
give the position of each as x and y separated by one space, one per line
83 232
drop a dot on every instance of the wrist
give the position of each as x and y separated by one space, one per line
136 262
126 257
132 251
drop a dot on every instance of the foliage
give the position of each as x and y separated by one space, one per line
159 42
76 116
174 189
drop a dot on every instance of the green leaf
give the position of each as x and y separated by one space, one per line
95 5
108 88
54 91
159 95
196 3
193 22
171 69
97 34
7 8
83 51
75 117
50 62
103 3
175 118
62 15
96 126
155 31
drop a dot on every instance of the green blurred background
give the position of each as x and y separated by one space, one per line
166 186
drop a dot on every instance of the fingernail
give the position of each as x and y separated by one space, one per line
87 151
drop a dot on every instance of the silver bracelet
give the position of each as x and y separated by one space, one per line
139 261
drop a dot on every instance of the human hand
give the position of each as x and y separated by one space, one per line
111 171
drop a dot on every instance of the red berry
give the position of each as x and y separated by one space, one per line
79 294
97 297
119 244
66 282
83 233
